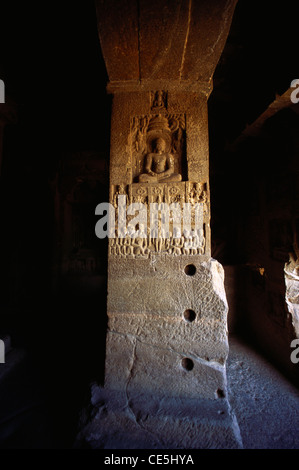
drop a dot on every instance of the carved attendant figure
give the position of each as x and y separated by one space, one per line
121 191
159 165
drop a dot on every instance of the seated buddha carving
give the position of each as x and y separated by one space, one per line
159 165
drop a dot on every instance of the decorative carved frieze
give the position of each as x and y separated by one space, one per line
192 243
160 234
168 192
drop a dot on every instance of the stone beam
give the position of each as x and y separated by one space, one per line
281 102
175 41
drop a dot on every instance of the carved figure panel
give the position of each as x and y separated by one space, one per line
169 192
139 193
196 192
190 243
157 145
160 233
118 190
175 193
158 101
156 193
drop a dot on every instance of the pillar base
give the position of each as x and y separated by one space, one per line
115 420
165 374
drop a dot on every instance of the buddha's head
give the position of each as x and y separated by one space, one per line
160 145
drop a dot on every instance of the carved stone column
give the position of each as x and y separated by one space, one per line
165 378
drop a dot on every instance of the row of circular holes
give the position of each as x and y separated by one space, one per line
189 316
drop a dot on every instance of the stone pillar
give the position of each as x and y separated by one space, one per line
165 378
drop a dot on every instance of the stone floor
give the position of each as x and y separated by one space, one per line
265 403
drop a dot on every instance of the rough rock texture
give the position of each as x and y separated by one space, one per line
148 336
165 378
117 420
266 404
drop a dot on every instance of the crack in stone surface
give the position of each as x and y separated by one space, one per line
212 364
226 17
128 407
186 39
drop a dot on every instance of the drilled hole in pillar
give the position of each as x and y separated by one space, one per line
220 393
190 269
189 315
187 363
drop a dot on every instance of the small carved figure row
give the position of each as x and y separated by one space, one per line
146 194
142 247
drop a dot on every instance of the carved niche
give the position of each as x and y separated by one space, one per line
157 144
158 101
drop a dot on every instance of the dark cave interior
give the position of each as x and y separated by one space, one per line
59 121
